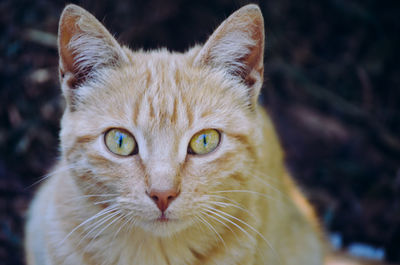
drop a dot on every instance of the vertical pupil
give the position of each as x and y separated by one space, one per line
204 139
121 137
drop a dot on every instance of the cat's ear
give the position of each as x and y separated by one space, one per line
237 46
84 46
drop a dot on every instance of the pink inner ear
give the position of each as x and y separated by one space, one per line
255 58
68 28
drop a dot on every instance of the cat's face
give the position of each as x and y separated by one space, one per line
128 128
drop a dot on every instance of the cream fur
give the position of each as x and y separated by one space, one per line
236 204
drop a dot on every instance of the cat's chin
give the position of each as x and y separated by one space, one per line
164 227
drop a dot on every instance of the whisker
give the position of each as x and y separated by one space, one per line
98 224
77 198
250 192
225 198
204 221
219 221
127 220
252 228
267 183
50 174
224 204
132 223
105 201
97 215
261 173
233 202
98 195
211 210
198 223
236 225
107 226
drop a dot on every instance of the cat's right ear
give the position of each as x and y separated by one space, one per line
84 46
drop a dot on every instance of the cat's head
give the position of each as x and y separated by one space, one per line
158 135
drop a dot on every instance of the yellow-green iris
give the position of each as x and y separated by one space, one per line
120 142
204 142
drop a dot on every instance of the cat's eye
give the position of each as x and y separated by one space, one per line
204 142
120 142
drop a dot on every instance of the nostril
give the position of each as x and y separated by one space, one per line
162 198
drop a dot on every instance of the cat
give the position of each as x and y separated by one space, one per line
168 158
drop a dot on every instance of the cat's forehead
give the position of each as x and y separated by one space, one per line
162 89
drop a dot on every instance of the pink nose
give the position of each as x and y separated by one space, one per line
163 197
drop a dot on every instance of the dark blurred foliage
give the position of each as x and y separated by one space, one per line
332 87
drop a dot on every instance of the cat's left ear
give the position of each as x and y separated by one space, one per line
237 47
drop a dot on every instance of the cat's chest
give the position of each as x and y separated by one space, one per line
139 250
131 249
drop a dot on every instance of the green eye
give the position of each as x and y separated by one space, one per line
204 142
120 142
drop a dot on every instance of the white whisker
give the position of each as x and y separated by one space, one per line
219 221
97 215
225 198
107 226
127 220
97 224
266 183
211 210
212 228
248 191
52 173
132 222
98 195
252 228
224 204
105 201
78 198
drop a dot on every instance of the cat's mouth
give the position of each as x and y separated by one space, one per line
163 218
165 225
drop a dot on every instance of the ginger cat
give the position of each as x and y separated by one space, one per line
167 158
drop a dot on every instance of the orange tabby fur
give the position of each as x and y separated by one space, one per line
237 204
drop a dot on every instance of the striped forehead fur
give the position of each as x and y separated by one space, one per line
165 79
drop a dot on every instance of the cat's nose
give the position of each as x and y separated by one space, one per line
163 197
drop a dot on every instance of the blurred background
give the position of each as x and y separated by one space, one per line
332 87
